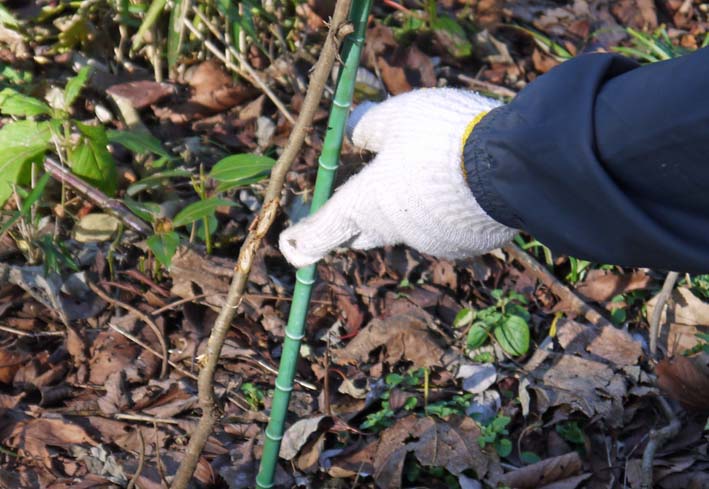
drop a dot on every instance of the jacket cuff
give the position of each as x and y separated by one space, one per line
479 166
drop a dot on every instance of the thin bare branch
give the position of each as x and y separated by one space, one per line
559 289
143 317
247 72
208 403
657 439
141 462
94 195
662 297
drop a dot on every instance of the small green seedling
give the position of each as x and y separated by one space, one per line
494 433
254 396
701 346
654 46
507 321
384 417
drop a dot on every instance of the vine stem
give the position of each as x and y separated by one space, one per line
208 403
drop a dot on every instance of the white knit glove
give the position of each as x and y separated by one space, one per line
414 192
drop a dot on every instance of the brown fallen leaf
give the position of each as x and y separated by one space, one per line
352 460
640 14
570 483
542 61
602 285
684 316
585 385
212 91
116 398
178 398
308 459
143 93
405 336
435 443
33 437
544 472
406 69
686 380
10 362
111 351
608 343
297 435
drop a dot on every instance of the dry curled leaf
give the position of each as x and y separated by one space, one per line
33 437
405 336
452 444
608 343
686 380
142 93
585 385
602 285
544 472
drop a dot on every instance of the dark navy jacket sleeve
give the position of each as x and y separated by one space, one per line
605 160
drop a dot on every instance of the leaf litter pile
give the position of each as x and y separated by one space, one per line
516 369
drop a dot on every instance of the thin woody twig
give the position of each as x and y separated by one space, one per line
662 297
145 419
657 439
150 349
25 334
143 317
208 403
141 462
237 402
559 289
248 72
94 195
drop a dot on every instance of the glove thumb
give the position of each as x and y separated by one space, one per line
312 238
366 126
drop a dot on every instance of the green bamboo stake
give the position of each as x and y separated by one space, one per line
305 277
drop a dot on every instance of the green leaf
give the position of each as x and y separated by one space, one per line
500 423
571 432
175 32
529 458
241 169
410 403
56 255
14 76
74 86
213 223
151 16
7 19
503 446
477 335
92 161
21 142
27 203
156 180
452 35
147 211
513 335
13 102
164 246
464 317
198 210
139 142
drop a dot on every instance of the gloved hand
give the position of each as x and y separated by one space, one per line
414 192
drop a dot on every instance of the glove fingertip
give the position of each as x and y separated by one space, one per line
292 249
356 115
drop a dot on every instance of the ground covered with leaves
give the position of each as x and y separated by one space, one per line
135 142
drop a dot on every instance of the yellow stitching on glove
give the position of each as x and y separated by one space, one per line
468 130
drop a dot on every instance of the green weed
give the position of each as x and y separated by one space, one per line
495 433
507 321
